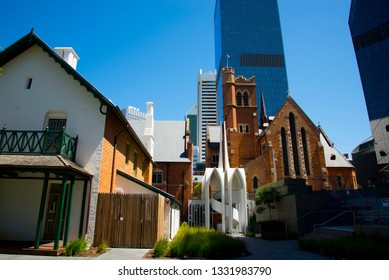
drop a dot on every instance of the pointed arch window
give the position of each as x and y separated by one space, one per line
246 99
215 158
285 158
293 132
305 150
157 176
255 183
239 99
339 181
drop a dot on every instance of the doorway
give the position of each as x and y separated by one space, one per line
52 212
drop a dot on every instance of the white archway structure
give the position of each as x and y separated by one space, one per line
224 191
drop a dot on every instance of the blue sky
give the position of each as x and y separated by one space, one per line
139 51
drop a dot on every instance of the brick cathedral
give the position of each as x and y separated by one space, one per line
287 145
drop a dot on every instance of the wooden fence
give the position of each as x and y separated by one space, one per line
129 220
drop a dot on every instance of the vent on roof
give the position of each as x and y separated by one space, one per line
68 54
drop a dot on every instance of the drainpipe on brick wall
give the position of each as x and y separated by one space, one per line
167 178
114 157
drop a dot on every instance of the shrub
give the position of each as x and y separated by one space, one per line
273 230
76 247
203 243
353 248
102 247
251 228
161 247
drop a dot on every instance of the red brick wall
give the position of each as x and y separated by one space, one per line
178 181
116 133
262 167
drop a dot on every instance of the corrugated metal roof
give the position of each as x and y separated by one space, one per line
169 145
36 162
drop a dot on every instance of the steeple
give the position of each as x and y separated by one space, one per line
263 118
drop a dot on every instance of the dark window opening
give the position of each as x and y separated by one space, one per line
305 150
238 99
29 83
284 152
293 133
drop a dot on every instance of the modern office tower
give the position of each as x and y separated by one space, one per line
248 38
369 28
191 115
207 107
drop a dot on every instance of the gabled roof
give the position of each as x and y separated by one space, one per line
30 40
169 139
150 187
290 100
332 156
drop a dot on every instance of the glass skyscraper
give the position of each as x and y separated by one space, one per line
248 32
369 28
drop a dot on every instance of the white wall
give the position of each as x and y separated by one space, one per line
124 185
19 208
52 89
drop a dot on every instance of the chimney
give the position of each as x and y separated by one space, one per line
68 54
148 136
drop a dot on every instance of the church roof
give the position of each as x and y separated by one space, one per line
169 145
332 156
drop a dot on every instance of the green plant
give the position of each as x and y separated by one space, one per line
251 227
161 247
267 198
202 243
273 230
102 247
76 247
353 248
197 191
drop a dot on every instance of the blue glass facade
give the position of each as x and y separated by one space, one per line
369 27
249 31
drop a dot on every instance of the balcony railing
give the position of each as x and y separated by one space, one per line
46 142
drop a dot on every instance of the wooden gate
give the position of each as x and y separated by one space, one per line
129 220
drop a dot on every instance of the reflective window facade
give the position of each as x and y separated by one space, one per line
369 27
249 32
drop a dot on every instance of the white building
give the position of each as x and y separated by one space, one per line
207 108
67 145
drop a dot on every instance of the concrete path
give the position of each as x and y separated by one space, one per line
112 254
260 250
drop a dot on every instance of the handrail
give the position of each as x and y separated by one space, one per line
333 218
314 212
56 142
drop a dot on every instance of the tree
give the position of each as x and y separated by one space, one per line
197 191
267 198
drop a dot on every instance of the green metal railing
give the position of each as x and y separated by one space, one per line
46 142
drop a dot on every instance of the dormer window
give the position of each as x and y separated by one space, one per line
29 83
